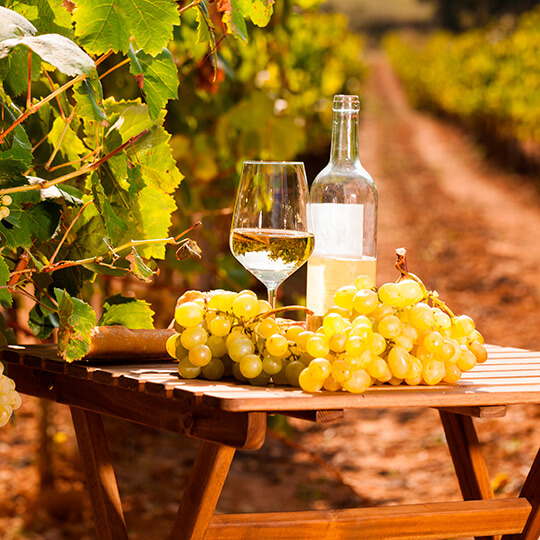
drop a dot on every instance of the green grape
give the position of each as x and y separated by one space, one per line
358 383
245 306
389 293
466 360
399 362
302 338
365 301
217 345
200 355
292 372
389 327
452 374
251 366
267 327
241 347
4 212
15 400
410 292
334 324
433 342
236 333
193 336
187 370
363 331
309 383
442 319
479 351
320 368
341 371
263 379
6 200
264 306
292 332
337 343
462 326
344 297
272 364
450 351
170 345
421 317
318 345
433 372
363 282
376 367
220 326
214 370
189 314
277 345
355 345
225 301
331 385
404 341
377 344
237 374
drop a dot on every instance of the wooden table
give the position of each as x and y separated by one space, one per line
226 416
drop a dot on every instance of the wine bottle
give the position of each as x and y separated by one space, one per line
343 207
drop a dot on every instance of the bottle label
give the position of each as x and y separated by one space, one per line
338 229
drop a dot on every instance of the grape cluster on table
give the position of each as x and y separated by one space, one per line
398 333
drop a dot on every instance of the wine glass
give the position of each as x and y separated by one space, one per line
270 235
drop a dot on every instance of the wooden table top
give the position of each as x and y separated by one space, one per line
509 376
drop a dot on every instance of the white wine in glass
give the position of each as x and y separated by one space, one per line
270 233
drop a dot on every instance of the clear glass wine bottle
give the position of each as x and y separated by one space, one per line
343 207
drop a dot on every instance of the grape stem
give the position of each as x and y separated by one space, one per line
280 310
432 296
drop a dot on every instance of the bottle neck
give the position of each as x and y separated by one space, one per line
344 149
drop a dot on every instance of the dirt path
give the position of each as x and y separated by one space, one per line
471 232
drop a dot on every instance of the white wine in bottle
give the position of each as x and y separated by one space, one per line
343 207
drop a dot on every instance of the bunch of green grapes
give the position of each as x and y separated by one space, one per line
5 201
222 333
398 333
9 397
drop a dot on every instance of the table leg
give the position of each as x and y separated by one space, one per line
202 491
531 491
467 457
100 479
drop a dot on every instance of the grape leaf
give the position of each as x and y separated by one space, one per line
13 25
6 300
156 209
259 11
43 318
17 144
70 144
233 18
77 318
109 24
205 26
41 219
159 81
89 94
55 49
128 312
50 16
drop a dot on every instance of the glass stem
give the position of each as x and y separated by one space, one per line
272 296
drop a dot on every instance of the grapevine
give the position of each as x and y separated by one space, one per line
398 333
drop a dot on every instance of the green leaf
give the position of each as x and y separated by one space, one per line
13 25
233 18
259 11
89 95
158 79
6 300
109 24
128 312
70 144
55 49
77 318
43 318
50 16
42 219
205 26
156 209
